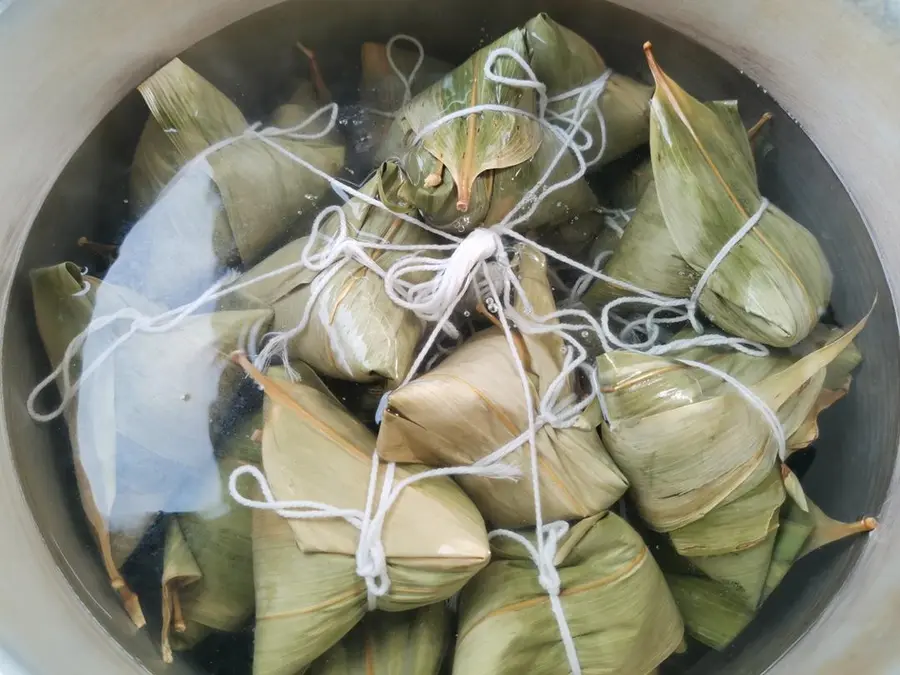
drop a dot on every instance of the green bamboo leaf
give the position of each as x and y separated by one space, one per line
647 256
405 643
496 192
776 282
736 526
618 608
805 528
207 582
564 61
839 371
713 614
469 146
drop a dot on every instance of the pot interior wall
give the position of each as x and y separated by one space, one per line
249 61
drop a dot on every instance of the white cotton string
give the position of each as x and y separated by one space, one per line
583 283
530 82
611 218
589 96
405 79
723 253
139 324
548 577
547 538
85 289
371 557
429 299
431 127
750 396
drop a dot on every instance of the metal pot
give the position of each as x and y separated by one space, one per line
830 67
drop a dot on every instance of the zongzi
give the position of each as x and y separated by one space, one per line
715 611
614 597
227 210
472 404
354 330
308 590
686 440
141 421
773 284
65 302
474 170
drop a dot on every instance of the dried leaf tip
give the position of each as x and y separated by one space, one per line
315 72
835 531
651 61
756 128
97 248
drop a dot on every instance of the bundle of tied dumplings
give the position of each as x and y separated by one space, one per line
685 448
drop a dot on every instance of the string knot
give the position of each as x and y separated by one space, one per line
433 298
548 575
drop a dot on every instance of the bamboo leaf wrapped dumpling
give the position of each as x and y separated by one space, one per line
715 612
207 582
733 541
647 256
355 331
775 283
308 592
472 170
234 205
472 404
65 301
687 441
403 643
141 422
619 611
